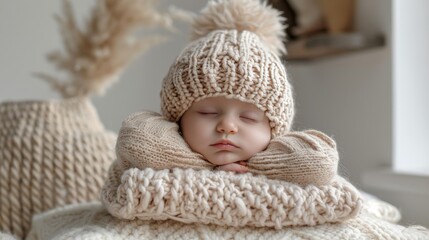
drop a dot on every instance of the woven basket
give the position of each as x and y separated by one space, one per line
52 153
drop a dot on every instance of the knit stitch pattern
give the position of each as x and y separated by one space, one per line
148 140
307 157
52 153
235 65
235 54
157 176
227 199
92 221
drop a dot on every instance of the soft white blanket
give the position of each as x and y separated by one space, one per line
92 221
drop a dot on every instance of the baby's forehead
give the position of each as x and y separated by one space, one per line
224 102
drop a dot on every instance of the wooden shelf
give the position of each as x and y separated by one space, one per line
325 45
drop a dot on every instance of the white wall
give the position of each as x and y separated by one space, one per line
349 96
28 31
411 112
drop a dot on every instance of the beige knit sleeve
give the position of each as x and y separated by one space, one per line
148 140
308 157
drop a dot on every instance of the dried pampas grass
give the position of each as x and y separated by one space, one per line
95 57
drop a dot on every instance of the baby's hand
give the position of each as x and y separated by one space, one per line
239 167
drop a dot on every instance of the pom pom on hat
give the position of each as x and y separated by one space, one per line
243 15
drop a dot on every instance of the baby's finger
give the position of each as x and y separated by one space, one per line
243 163
233 167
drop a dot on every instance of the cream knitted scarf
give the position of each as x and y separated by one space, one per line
157 177
148 140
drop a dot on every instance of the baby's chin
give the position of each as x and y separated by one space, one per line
224 158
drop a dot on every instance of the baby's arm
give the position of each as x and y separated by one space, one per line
308 157
148 140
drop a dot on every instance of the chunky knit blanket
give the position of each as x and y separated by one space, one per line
92 221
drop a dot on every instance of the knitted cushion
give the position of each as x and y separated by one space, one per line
52 153
92 221
225 198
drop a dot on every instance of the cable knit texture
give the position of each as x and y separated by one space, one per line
235 59
148 140
52 153
92 221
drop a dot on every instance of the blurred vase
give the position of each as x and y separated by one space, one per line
338 15
52 153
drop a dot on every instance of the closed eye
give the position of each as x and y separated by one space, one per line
208 113
247 118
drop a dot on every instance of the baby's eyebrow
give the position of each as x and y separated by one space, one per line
253 112
206 108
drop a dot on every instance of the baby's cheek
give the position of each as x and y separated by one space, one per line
222 158
197 142
260 143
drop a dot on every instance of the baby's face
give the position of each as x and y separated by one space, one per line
225 130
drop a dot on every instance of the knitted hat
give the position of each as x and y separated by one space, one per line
52 153
235 54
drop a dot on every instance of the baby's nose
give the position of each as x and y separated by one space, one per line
227 125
